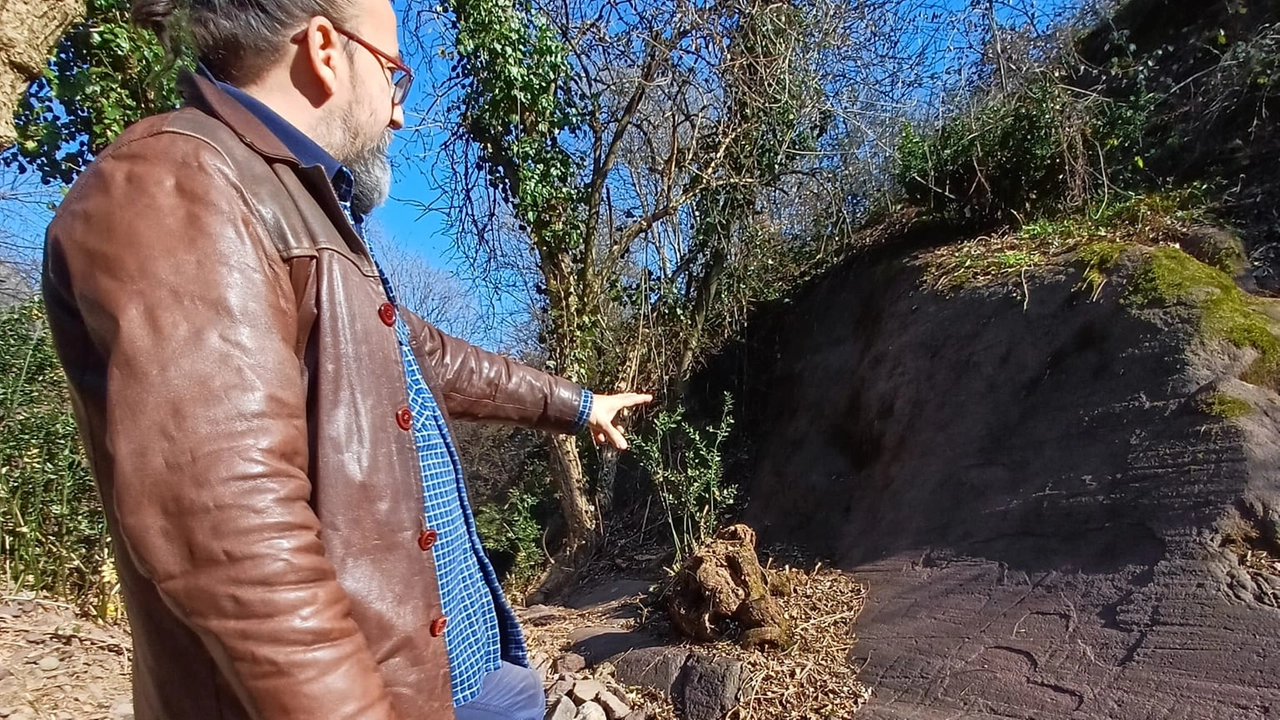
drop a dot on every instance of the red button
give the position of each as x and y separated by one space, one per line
387 312
437 626
427 539
404 418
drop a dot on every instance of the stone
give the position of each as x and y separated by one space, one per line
586 690
596 643
569 663
591 711
564 709
558 689
613 706
539 615
541 662
35 638
655 667
1215 246
6 712
49 663
562 686
4 673
708 688
122 710
10 611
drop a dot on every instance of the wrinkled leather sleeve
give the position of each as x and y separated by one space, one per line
192 310
485 386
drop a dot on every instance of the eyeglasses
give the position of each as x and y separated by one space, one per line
401 76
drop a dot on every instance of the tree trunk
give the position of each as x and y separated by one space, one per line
564 341
628 379
582 534
28 31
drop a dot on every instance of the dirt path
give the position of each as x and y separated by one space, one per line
56 666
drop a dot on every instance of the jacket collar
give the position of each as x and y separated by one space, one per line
204 94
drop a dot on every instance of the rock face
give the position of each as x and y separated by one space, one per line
1051 523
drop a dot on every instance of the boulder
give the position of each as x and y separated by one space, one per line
591 711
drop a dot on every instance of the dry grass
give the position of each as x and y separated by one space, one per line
815 679
1095 237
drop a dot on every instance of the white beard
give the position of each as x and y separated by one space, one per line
371 170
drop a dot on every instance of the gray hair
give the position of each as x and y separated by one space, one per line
237 40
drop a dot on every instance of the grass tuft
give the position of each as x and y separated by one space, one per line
1095 238
1224 406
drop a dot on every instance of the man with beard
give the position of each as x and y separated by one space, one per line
268 428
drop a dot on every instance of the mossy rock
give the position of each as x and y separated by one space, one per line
1216 247
1169 277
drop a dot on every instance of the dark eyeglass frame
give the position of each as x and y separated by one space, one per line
399 85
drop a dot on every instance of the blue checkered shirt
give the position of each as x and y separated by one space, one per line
482 630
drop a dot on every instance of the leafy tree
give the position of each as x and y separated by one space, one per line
104 75
630 145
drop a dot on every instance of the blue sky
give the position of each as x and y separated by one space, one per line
420 166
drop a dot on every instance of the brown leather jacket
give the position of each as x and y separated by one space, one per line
237 386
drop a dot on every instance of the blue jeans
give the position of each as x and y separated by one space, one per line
509 693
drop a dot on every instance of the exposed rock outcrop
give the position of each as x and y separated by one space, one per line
1064 508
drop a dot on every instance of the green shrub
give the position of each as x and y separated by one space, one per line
511 531
687 469
1043 147
54 537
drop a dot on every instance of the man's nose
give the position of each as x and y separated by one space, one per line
397 118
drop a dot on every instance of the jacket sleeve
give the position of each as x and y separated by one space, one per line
485 386
190 307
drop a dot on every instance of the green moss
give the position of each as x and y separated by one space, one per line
1098 258
1171 277
1222 405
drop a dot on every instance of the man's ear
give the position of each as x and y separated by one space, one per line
322 48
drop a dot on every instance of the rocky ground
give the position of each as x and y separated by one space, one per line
606 653
55 666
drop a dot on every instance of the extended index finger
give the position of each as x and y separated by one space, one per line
633 399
